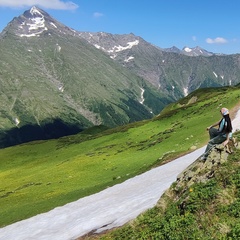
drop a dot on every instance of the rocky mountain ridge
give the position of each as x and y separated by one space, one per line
54 83
174 72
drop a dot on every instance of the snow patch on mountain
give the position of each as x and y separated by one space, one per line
99 47
186 49
34 11
58 47
61 88
142 98
53 24
17 121
185 91
35 25
128 59
113 56
215 74
120 48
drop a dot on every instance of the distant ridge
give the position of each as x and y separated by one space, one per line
53 74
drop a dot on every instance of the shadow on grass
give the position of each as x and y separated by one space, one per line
29 132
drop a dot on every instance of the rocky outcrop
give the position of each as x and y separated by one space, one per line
203 170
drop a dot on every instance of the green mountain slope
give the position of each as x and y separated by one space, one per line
39 176
54 83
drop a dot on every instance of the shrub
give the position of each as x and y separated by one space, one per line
234 209
234 233
201 195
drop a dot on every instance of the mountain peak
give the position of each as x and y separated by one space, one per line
34 10
33 23
196 51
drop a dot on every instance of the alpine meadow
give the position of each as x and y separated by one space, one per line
81 112
54 172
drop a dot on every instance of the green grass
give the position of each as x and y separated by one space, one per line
39 176
207 210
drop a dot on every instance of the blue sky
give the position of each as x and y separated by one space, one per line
210 24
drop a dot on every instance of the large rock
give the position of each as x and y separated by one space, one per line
201 171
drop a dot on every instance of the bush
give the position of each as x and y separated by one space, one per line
234 209
202 194
234 233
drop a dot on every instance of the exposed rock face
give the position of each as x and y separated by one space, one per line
201 171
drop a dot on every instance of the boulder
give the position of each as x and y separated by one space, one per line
202 170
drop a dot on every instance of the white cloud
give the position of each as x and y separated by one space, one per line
216 40
49 4
97 14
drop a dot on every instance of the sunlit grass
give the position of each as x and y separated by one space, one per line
39 176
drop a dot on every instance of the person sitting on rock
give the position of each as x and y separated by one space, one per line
220 135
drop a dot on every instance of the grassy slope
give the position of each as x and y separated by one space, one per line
39 176
207 210
96 88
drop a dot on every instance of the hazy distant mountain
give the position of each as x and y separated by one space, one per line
196 51
174 72
172 49
54 83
